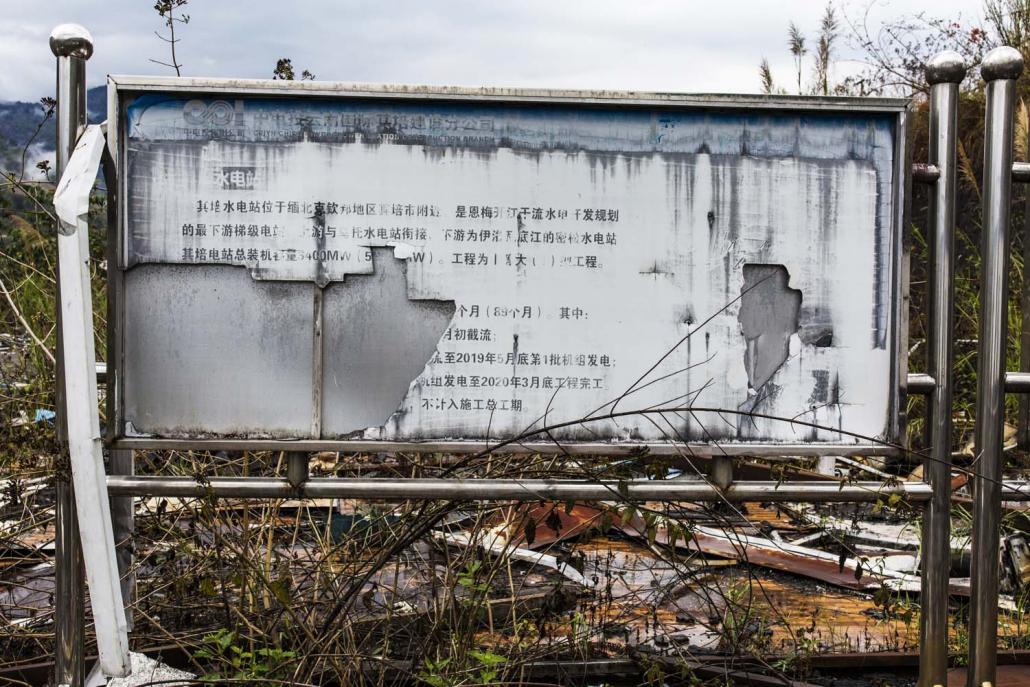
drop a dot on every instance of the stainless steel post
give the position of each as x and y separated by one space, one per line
944 73
69 601
1023 424
72 45
1000 69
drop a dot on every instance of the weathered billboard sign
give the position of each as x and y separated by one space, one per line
336 263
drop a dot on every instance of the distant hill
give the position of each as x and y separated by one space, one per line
19 120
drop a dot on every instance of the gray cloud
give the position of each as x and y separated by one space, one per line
664 45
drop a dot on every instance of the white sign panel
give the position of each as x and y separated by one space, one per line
393 269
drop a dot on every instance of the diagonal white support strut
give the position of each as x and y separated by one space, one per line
81 404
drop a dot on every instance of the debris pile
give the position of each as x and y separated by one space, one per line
500 590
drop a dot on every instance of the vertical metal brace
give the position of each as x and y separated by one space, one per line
297 469
1000 69
317 356
123 522
721 472
72 45
944 73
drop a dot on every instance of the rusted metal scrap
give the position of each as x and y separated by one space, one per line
858 573
540 525
768 554
1015 558
493 544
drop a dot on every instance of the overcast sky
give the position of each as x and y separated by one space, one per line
661 45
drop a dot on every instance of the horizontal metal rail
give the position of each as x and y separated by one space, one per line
1012 490
784 451
925 173
1021 172
1015 383
528 490
919 383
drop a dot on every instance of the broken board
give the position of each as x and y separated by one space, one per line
332 262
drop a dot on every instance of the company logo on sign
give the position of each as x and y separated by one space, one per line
213 113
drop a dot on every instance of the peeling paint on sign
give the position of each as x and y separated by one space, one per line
543 260
769 316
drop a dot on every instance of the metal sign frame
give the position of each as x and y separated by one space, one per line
122 88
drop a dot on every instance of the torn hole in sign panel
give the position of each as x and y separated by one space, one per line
377 341
769 316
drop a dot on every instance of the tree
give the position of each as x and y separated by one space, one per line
284 71
1010 21
166 10
895 53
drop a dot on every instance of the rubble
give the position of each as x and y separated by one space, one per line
754 578
145 671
